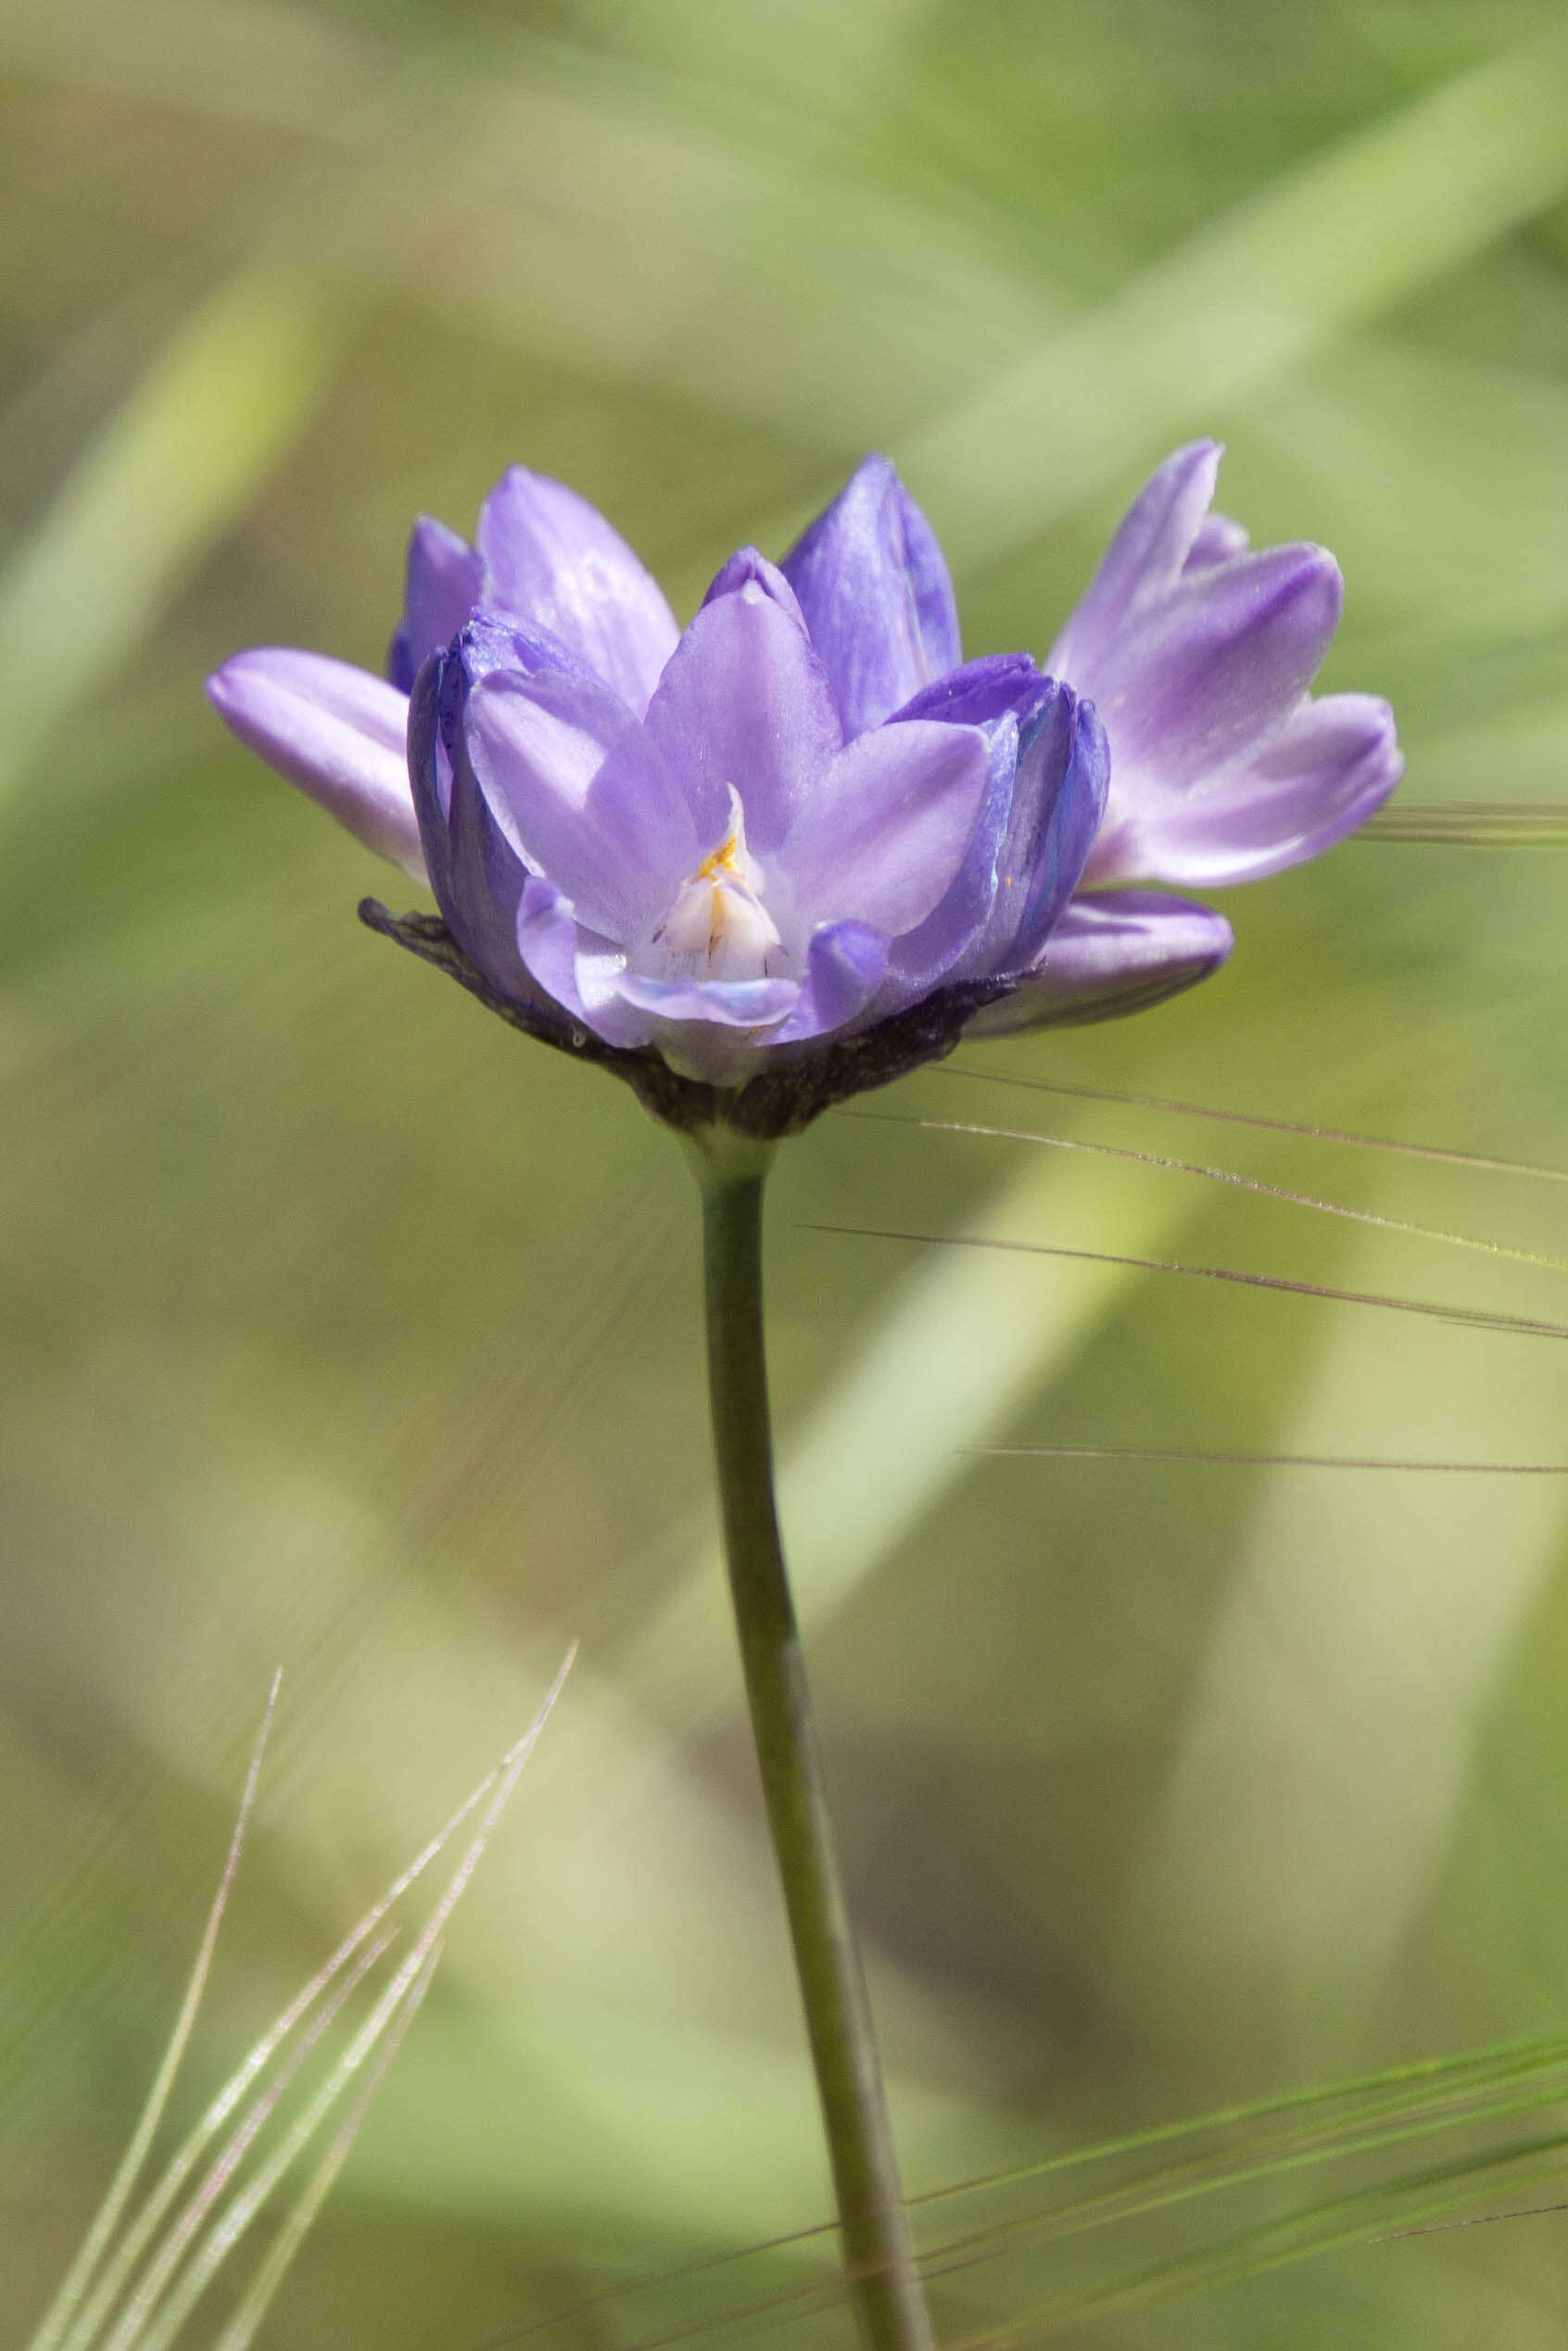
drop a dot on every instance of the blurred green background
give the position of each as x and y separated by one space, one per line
342 1328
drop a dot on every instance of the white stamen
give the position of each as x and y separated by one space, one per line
718 926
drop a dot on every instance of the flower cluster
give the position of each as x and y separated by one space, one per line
803 834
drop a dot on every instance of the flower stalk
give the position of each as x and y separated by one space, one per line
878 2248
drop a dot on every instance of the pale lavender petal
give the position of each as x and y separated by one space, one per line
876 595
884 833
733 1004
441 588
743 701
1219 539
750 568
1058 800
1208 675
1142 563
335 731
846 964
1325 771
577 970
552 558
1112 952
584 795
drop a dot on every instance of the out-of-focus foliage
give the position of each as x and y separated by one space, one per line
342 1328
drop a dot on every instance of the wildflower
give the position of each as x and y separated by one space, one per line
1198 654
802 844
787 852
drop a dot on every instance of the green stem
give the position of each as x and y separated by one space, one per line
878 2248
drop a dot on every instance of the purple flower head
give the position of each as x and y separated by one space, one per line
801 845
729 879
1198 654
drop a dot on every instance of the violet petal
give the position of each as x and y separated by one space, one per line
1058 800
1143 561
995 685
884 832
931 584
1114 951
441 588
1333 761
743 701
876 598
475 872
1211 673
577 970
750 568
846 964
923 957
1219 539
586 798
337 732
1007 696
552 558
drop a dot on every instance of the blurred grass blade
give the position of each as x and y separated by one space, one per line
165 477
1387 2108
1397 2124
1480 1161
80 2276
136 2239
258 2297
1220 1175
1438 2079
1428 2099
1473 1317
1249 2253
1246 298
260 63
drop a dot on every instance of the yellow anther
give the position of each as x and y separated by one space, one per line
721 863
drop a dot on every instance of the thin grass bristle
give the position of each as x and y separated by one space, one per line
1261 1460
278 2260
1443 1155
1222 1175
1471 823
132 2288
137 2236
1471 2221
79 2278
1465 1317
181 2234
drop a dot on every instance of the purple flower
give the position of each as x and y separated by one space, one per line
803 840
1198 654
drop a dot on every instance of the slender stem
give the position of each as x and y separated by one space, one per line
878 2248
